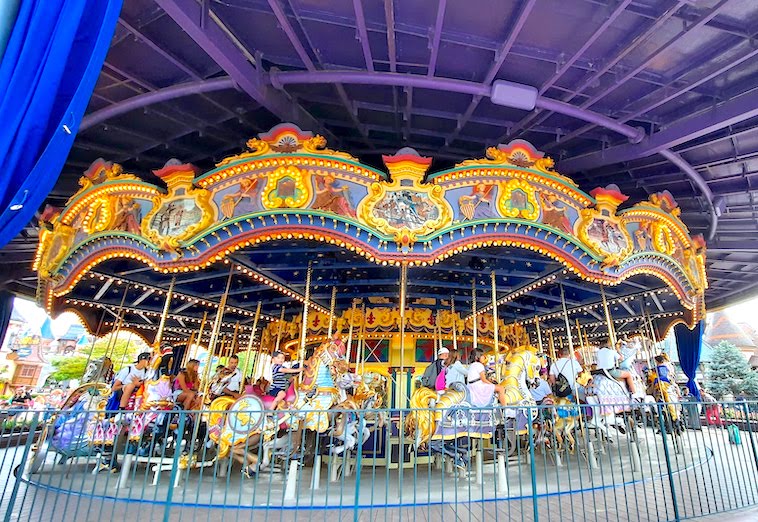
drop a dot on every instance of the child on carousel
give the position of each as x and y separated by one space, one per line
279 378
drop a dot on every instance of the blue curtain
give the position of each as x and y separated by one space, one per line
689 342
6 308
47 75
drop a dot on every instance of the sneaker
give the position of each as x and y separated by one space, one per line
249 472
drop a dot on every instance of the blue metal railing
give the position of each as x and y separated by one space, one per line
652 462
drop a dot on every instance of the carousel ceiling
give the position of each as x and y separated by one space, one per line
184 82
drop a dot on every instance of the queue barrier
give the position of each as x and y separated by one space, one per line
657 462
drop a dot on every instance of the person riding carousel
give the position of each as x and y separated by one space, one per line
279 380
129 379
607 362
480 388
187 386
563 373
228 381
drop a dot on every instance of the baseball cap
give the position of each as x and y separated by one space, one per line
442 351
144 356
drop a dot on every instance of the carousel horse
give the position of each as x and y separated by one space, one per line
79 429
98 370
305 408
152 404
612 403
563 422
439 420
367 395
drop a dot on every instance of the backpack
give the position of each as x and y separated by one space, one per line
562 387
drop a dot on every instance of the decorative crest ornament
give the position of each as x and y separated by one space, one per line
405 208
183 212
602 230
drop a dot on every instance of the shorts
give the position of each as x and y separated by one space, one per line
615 373
273 392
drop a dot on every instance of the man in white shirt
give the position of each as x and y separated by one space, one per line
566 366
231 384
130 378
607 358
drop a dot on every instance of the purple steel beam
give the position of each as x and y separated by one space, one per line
632 45
737 109
149 98
360 20
620 9
216 42
306 59
389 14
635 135
500 56
436 37
652 56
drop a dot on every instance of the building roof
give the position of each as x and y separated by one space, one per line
721 328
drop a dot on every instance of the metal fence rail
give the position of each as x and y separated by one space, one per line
657 462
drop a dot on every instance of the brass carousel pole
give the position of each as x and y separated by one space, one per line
111 346
250 341
539 333
473 313
214 335
608 318
304 329
583 346
403 296
350 335
164 315
279 330
332 305
552 345
454 322
360 348
495 326
570 340
199 335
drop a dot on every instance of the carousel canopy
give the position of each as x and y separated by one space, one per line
648 95
290 221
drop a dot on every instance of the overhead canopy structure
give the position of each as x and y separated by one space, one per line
287 207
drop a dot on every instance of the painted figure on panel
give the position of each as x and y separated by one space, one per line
643 237
128 215
554 215
406 208
243 201
332 197
176 216
607 235
478 205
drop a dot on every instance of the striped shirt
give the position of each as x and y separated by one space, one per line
279 379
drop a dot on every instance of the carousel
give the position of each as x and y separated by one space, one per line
361 275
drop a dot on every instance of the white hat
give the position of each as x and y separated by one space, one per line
442 351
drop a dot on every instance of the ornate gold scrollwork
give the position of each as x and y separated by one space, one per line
287 187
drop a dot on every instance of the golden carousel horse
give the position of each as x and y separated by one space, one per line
451 416
240 425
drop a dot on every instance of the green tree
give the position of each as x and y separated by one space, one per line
729 372
122 351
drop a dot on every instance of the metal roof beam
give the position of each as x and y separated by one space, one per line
216 42
731 112
435 37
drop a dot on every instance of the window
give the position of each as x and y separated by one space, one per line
27 371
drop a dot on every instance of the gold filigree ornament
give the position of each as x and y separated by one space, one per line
663 239
518 200
405 208
55 240
602 230
180 214
287 187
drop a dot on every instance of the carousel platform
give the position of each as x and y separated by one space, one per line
706 475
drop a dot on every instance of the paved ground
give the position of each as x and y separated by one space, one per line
710 476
